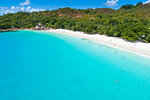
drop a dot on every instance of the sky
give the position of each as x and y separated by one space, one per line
13 6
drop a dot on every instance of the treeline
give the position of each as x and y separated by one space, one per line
130 22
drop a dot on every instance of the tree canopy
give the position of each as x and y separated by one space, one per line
130 22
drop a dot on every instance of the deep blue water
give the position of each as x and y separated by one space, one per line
37 65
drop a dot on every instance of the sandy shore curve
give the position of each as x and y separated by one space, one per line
139 48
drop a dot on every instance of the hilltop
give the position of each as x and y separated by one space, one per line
130 22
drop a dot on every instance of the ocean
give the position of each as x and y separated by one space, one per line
40 65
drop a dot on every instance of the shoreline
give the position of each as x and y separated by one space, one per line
139 48
16 29
13 29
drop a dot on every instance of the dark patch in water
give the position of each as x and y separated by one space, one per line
101 46
83 39
124 57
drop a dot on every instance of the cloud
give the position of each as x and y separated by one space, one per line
2 10
29 9
111 3
22 8
146 2
36 10
27 2
15 9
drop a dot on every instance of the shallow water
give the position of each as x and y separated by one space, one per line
38 65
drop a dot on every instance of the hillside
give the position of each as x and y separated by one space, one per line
130 22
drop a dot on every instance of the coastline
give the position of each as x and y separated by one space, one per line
139 48
13 29
142 49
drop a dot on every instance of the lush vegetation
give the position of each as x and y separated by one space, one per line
130 22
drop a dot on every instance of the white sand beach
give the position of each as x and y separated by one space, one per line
138 48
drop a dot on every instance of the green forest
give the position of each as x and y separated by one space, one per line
130 22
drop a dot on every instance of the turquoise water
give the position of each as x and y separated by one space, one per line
37 65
